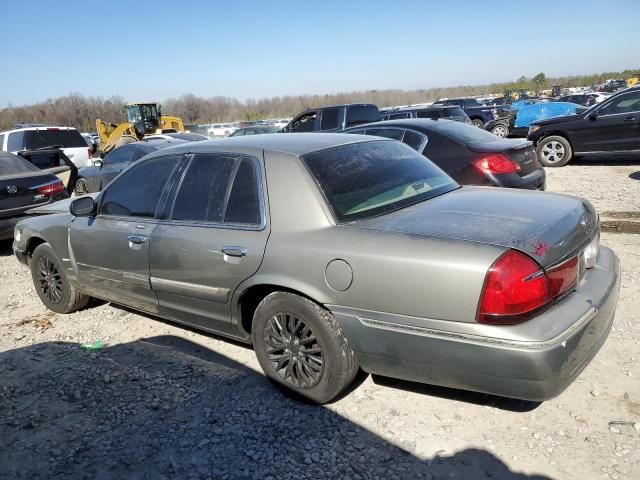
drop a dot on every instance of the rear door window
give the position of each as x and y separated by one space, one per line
15 142
219 188
305 123
136 193
47 138
204 189
329 120
243 205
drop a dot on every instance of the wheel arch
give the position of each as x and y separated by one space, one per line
249 295
33 243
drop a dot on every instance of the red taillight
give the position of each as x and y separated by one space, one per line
497 163
49 189
90 151
563 277
515 289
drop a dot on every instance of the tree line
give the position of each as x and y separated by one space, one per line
81 111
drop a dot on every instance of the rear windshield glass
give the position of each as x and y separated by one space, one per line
47 138
463 132
12 164
363 180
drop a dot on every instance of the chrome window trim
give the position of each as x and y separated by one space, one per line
223 225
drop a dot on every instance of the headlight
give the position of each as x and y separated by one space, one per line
590 254
17 234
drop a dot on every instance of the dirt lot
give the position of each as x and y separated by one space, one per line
161 402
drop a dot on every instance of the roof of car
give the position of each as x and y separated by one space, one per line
293 143
411 123
23 127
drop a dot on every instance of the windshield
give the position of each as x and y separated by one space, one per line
363 180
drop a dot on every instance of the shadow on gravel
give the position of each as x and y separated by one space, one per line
167 408
635 175
476 398
6 248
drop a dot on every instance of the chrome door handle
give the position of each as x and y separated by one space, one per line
629 119
234 251
137 239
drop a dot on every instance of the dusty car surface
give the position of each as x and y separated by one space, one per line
334 252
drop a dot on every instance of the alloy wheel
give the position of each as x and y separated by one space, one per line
81 188
553 152
49 280
500 131
294 350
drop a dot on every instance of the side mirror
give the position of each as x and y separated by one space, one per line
593 116
82 207
98 163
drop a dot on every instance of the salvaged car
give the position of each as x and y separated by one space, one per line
335 252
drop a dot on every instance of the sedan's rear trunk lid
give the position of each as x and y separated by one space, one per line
18 193
548 227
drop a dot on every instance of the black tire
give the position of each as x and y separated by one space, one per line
554 151
51 283
81 187
316 360
477 123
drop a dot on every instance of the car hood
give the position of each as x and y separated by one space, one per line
546 226
57 207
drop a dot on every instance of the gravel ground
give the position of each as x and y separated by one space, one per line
162 402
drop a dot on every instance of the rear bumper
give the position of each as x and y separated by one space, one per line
532 368
7 225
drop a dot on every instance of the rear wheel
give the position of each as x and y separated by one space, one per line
477 123
554 151
500 130
51 283
300 345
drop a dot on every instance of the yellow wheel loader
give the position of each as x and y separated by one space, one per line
144 119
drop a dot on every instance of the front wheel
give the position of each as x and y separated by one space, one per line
300 345
51 283
554 151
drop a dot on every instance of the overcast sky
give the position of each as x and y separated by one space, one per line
254 49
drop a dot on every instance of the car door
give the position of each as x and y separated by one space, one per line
111 250
212 239
612 127
115 163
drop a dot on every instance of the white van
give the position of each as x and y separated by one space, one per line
34 137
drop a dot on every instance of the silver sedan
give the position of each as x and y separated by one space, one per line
332 253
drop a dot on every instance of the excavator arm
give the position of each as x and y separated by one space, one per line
112 135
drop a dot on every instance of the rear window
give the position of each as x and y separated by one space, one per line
363 180
359 114
47 138
12 165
